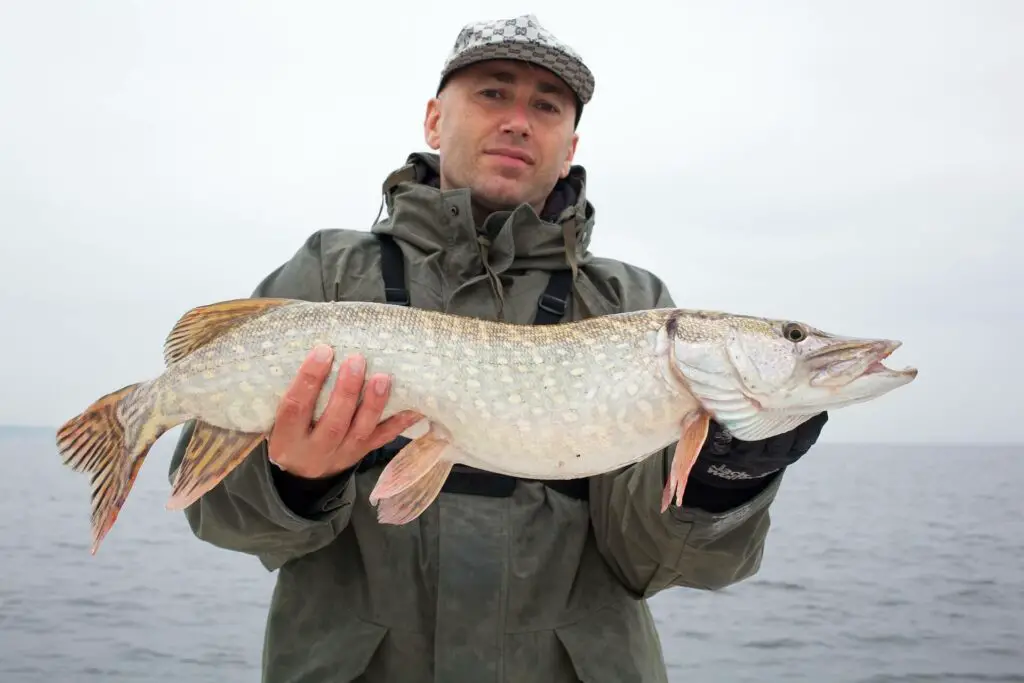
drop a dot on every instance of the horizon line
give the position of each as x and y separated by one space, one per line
843 442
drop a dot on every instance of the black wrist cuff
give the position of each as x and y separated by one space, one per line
301 494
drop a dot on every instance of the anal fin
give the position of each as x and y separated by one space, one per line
694 432
412 480
211 455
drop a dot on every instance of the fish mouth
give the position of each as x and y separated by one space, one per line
878 367
843 363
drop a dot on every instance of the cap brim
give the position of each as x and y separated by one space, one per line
570 69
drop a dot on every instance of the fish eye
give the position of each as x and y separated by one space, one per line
794 332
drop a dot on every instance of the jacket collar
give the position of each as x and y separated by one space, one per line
435 221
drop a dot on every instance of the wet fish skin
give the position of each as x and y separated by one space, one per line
559 401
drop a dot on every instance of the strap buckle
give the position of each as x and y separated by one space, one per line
552 304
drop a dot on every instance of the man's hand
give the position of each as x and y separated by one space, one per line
346 431
728 462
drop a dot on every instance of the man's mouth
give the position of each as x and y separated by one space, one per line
511 153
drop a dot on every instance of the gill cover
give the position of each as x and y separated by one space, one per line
720 372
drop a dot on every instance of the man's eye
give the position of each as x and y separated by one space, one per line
490 92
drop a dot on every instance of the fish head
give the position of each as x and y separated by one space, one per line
759 377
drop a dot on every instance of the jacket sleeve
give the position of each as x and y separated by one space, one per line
708 547
256 509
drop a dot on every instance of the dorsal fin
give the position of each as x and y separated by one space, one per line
203 324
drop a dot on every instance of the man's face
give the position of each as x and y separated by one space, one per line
504 129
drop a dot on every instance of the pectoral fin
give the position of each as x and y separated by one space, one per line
212 453
412 480
694 432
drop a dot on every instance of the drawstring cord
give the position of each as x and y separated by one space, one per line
496 287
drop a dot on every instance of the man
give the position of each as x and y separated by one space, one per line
499 580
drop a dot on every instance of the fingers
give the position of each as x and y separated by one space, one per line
350 425
378 390
348 422
334 423
295 410
388 430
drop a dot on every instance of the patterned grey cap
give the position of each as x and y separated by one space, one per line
524 39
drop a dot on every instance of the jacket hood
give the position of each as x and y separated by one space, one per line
432 220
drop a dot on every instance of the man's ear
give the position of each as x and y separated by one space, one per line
432 123
570 155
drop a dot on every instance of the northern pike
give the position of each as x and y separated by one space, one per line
560 401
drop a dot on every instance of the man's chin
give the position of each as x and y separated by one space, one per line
498 196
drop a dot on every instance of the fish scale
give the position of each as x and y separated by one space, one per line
545 402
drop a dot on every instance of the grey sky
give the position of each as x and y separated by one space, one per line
855 165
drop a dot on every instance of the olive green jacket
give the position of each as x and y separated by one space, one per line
534 587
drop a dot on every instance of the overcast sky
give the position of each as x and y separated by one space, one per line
855 165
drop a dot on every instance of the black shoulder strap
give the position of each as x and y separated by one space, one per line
392 265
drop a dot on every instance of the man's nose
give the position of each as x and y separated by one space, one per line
517 120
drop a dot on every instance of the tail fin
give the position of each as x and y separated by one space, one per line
94 442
